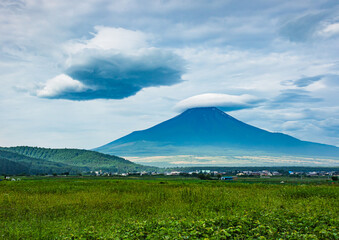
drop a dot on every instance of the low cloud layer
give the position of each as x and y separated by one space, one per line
225 102
114 64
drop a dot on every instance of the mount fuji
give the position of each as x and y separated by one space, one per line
208 131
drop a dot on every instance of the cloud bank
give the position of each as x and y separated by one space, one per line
116 63
225 102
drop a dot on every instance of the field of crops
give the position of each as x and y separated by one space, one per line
107 208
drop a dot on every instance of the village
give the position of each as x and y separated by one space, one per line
224 175
203 174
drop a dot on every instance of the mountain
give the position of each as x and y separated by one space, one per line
210 131
35 160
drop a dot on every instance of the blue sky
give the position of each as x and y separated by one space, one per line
83 74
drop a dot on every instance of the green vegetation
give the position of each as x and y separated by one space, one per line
14 163
45 160
11 167
167 208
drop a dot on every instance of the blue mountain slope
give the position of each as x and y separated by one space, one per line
199 130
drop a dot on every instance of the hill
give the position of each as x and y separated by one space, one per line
14 163
210 131
49 160
12 168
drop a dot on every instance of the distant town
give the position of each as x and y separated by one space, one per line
220 174
204 174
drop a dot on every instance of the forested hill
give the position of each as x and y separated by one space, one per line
15 163
80 160
11 167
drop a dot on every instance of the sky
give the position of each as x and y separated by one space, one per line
80 74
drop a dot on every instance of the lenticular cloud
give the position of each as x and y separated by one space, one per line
225 102
114 64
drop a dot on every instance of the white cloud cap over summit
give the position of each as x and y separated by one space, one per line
225 102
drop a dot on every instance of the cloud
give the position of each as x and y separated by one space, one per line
228 47
327 82
116 63
107 38
330 30
61 84
331 126
314 83
293 96
306 81
302 28
225 102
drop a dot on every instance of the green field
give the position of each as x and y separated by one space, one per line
168 208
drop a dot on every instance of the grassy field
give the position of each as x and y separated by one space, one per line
168 208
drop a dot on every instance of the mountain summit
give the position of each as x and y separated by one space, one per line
208 130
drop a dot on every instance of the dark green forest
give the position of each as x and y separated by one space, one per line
35 160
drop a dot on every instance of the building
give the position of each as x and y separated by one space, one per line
228 178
